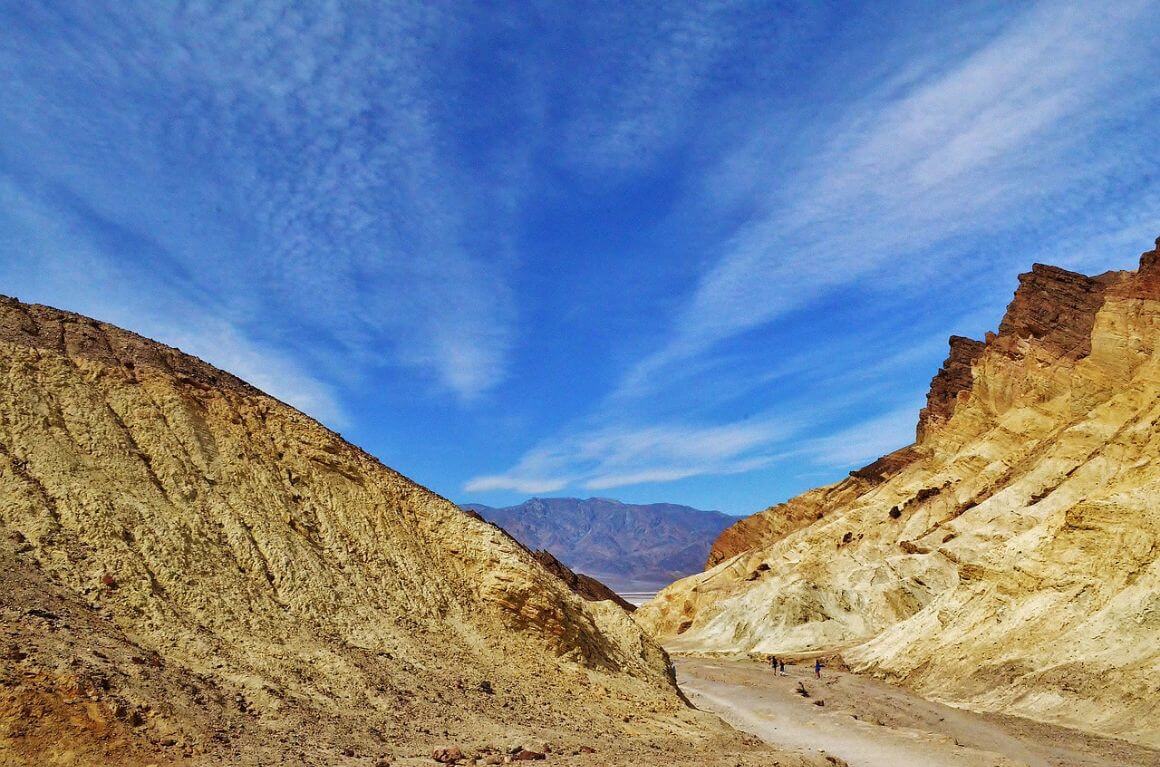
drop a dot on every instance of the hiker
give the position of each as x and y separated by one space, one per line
818 668
783 668
773 663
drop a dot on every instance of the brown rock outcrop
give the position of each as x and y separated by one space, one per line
1010 562
776 522
1146 285
195 573
1055 309
888 465
952 381
585 585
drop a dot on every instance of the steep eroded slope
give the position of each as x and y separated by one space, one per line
196 573
1006 561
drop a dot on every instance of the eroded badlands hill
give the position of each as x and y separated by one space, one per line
1007 560
196 573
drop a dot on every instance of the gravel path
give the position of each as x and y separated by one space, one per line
869 723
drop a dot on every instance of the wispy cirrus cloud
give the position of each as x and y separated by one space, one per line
616 456
292 162
863 442
922 160
938 152
660 236
163 311
652 61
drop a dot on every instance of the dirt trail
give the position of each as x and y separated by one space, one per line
869 723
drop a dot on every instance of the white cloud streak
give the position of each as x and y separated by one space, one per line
863 442
160 313
610 457
292 160
938 151
907 171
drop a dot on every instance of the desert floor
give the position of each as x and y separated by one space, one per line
869 723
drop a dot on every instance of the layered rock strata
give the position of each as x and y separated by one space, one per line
1008 560
196 573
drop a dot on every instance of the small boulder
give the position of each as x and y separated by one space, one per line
452 755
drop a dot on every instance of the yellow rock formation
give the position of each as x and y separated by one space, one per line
1005 562
196 573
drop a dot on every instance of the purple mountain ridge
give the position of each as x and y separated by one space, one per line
629 547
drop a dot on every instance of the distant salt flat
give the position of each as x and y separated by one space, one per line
637 598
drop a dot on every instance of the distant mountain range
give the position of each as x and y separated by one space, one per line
627 546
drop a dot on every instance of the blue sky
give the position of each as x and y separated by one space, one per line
708 254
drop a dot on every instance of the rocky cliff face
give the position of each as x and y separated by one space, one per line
1056 309
952 382
196 573
630 547
776 522
1008 560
